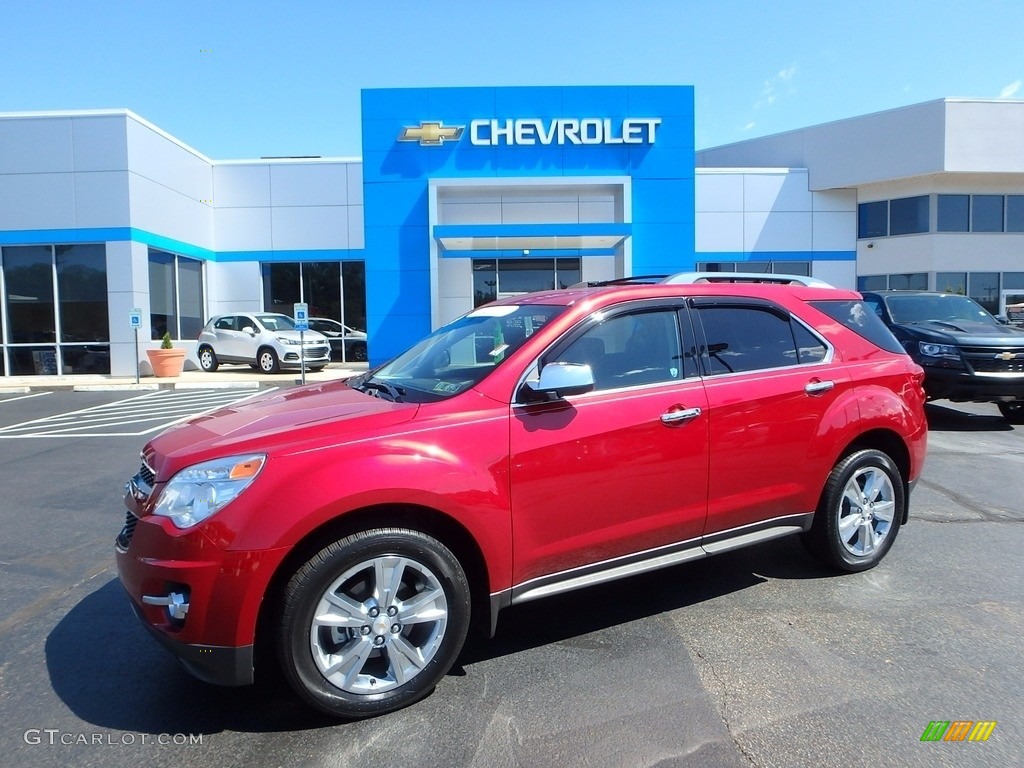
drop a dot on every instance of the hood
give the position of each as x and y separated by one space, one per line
273 421
309 336
967 332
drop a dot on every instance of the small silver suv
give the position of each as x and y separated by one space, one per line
266 341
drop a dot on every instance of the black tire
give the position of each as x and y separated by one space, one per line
372 671
266 360
1013 412
359 353
208 359
851 537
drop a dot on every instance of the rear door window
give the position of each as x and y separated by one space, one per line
751 337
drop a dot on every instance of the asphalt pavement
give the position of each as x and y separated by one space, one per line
756 657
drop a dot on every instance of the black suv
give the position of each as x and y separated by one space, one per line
967 354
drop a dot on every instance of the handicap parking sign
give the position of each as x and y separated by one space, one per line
302 317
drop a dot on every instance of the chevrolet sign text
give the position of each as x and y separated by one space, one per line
587 130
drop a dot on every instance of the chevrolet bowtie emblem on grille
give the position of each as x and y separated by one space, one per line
432 134
1006 356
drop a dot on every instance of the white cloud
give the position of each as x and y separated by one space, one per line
772 87
1011 90
749 126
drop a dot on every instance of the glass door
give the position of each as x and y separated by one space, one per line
1011 306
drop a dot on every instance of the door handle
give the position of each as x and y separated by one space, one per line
679 416
818 387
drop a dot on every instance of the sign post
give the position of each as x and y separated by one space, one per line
135 319
302 325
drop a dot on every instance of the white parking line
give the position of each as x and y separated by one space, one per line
24 397
164 407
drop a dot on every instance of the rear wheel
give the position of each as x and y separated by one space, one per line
208 359
860 512
1013 412
267 360
372 622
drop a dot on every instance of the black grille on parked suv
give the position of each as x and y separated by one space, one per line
994 359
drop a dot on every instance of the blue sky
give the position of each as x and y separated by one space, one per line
248 79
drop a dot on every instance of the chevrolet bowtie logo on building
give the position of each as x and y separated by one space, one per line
432 134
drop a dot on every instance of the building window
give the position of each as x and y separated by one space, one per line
987 213
908 215
872 282
176 300
333 290
1015 213
909 281
983 287
951 282
499 278
55 310
953 213
873 219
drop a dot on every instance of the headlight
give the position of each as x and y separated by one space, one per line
938 350
199 491
289 342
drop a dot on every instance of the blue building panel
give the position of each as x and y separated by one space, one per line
641 132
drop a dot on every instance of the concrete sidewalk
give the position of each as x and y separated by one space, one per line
227 377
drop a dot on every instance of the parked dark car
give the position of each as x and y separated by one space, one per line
347 344
967 354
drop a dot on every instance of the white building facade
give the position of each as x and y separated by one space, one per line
495 191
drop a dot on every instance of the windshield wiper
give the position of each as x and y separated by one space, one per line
382 389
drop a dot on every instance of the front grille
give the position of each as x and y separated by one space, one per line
987 360
146 474
124 538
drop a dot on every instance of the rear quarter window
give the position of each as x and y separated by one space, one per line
862 320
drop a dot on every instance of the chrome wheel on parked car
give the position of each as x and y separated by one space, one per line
373 622
267 360
860 513
207 359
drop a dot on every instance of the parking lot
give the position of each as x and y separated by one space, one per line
757 657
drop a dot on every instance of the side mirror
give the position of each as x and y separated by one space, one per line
250 330
1003 319
562 379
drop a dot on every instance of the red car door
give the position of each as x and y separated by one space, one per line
620 470
771 383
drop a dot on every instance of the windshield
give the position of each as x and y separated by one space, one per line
939 307
276 322
458 355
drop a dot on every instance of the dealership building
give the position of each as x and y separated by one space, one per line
464 195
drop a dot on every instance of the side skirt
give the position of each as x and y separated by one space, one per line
648 560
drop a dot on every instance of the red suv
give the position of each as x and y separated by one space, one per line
545 443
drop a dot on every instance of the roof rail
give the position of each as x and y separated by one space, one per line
635 280
745 277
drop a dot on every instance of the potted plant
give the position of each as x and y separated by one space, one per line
168 360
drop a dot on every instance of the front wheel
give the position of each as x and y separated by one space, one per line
208 359
267 360
1013 412
860 512
372 622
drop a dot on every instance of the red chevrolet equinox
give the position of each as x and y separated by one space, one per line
544 443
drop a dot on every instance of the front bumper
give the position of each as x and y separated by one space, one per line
214 664
964 386
289 358
211 625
